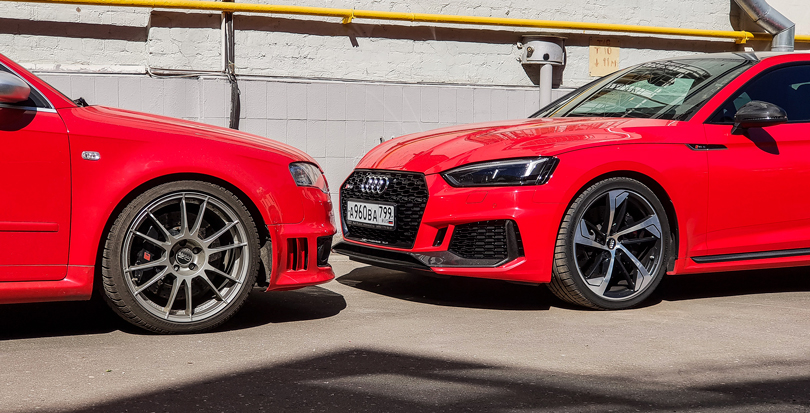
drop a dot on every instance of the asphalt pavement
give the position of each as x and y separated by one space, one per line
377 340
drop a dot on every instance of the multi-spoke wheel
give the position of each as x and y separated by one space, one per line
181 257
612 246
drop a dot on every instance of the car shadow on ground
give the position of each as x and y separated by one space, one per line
501 295
450 291
95 317
309 303
728 284
368 380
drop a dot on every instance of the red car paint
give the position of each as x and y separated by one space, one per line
734 201
56 206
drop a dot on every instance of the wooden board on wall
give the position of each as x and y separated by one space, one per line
604 57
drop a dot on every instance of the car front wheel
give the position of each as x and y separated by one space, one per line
182 257
612 246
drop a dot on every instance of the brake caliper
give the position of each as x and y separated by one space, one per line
144 256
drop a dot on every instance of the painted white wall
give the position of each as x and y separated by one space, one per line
130 40
795 10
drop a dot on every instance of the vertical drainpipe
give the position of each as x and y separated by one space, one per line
546 83
775 23
228 54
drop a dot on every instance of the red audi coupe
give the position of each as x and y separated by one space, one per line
173 221
679 166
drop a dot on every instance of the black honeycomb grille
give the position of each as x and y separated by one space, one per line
407 190
483 240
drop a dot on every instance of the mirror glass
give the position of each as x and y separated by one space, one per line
13 89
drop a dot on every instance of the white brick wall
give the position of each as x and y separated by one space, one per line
188 41
400 51
107 39
74 38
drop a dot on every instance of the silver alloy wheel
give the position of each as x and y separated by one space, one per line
187 241
617 245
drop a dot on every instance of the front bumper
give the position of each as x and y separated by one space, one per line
530 243
298 254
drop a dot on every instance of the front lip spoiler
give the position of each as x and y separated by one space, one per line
416 262
394 260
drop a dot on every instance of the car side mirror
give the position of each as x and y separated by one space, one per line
13 89
757 114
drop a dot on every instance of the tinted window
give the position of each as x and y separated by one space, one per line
673 89
787 87
35 100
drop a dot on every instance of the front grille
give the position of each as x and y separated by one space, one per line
484 240
407 190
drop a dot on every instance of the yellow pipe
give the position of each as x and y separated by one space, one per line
349 14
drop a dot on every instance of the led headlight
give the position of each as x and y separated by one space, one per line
508 172
307 174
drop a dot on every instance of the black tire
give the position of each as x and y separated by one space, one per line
580 262
216 271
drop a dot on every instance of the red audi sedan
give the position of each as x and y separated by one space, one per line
174 222
679 166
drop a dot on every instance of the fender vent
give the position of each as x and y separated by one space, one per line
297 254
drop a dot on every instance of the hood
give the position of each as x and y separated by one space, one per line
442 149
173 126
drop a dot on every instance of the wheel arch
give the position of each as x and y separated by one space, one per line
261 225
659 191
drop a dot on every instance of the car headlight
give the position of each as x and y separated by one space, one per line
509 172
307 174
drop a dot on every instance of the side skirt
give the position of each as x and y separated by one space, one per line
76 286
709 259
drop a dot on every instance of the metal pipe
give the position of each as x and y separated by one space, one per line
350 14
775 23
229 43
546 81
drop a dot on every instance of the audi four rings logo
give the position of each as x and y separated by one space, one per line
375 184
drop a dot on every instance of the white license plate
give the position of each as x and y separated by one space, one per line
371 214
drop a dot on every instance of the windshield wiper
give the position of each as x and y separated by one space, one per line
637 111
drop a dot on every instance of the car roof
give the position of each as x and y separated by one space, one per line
751 56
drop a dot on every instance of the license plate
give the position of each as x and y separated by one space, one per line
371 214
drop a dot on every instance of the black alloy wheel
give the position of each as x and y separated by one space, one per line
612 246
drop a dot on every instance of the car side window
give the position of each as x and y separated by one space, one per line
786 87
35 99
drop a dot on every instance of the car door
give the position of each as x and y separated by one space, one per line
759 181
34 191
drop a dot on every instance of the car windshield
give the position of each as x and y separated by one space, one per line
673 89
